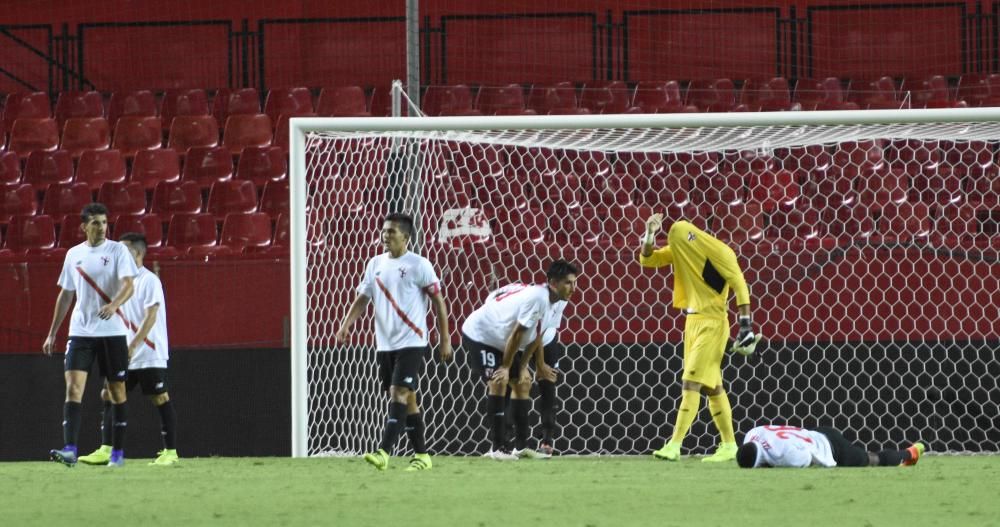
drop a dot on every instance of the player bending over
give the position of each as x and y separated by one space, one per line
400 284
789 446
704 271
146 315
502 337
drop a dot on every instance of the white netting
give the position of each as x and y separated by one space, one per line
871 253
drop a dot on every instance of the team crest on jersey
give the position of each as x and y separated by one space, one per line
691 236
105 259
402 272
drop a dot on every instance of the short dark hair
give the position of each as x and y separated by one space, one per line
746 455
560 269
137 239
92 209
405 222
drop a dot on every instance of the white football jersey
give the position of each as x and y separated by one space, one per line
510 306
153 352
789 446
95 274
399 289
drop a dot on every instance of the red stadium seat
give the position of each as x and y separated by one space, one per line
123 198
939 185
33 135
81 134
231 196
262 164
660 97
825 94
231 102
249 232
74 104
934 92
97 167
243 130
274 200
719 95
904 222
448 100
345 101
288 101
207 165
876 94
554 99
46 168
502 100
25 106
153 166
17 200
188 230
188 131
66 198
772 95
281 131
31 233
282 231
10 168
183 102
140 103
149 225
135 133
606 97
176 196
70 233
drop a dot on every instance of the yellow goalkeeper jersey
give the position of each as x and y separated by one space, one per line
704 270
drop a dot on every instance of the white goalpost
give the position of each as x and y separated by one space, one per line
868 239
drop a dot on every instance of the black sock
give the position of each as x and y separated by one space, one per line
496 412
521 428
106 425
71 422
892 458
415 431
547 409
168 424
120 417
393 424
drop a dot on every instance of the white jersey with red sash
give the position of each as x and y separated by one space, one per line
399 289
95 274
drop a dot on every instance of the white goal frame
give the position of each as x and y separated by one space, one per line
300 127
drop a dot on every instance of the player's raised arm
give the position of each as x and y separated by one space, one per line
649 256
353 314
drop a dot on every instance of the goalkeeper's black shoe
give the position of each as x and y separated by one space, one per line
66 456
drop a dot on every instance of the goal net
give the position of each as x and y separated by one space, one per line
868 239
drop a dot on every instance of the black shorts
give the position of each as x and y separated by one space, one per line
845 453
484 360
553 351
111 354
401 367
153 381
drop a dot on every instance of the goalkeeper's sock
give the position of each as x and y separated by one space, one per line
120 418
497 415
521 429
168 425
393 425
686 412
71 423
892 458
546 408
106 425
722 415
415 432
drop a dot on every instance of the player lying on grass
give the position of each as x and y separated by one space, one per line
704 271
502 337
789 446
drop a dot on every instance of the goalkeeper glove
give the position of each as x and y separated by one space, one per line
746 339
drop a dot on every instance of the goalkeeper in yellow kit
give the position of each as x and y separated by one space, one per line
704 271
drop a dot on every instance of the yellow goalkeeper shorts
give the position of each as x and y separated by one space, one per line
704 344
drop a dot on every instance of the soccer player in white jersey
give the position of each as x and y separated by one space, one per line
502 337
98 275
790 446
146 315
400 284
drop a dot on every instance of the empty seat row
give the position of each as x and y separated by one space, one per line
204 165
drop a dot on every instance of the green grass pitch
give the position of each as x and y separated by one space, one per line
578 491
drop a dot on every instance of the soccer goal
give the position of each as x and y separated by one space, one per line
869 242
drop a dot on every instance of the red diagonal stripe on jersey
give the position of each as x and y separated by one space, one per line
104 296
399 310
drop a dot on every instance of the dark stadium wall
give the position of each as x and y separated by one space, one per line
130 45
233 402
